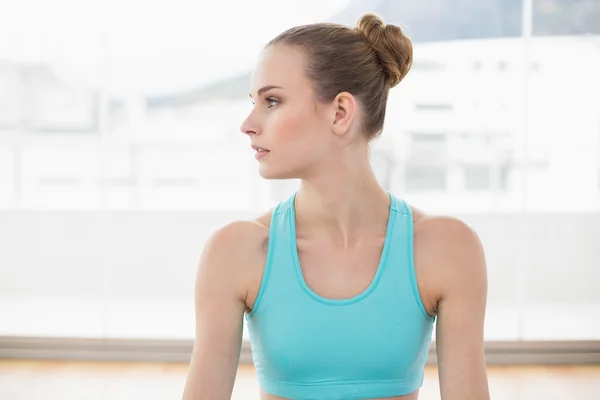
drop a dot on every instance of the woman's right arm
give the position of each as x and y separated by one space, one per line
219 306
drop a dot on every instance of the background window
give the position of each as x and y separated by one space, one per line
116 165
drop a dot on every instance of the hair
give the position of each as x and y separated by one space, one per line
365 61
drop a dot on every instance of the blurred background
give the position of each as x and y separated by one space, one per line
120 152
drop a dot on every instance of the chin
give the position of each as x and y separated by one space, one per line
270 173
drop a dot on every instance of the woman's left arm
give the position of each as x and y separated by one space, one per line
461 312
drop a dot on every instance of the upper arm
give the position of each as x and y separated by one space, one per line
462 280
219 307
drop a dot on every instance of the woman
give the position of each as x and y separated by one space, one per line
342 282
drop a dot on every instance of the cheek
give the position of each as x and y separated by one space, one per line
298 129
297 139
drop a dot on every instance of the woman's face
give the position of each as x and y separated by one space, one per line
288 128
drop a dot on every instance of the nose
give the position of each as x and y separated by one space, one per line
249 127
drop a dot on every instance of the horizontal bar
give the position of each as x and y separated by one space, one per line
175 350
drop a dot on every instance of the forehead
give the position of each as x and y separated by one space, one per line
280 65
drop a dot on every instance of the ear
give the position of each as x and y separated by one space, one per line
345 110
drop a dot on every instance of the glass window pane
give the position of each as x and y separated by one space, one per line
117 163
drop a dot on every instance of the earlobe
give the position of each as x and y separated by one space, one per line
345 105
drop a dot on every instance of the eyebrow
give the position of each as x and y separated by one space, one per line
265 88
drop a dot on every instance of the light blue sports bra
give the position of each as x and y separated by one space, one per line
373 345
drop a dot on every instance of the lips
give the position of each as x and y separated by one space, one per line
259 149
261 152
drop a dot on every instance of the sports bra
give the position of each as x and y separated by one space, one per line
373 345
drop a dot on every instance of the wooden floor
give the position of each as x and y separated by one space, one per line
48 380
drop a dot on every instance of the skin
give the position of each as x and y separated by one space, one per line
342 214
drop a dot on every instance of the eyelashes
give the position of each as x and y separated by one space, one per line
271 102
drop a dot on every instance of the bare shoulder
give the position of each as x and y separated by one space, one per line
445 233
238 251
448 254
241 233
240 239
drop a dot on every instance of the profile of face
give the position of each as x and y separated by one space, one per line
291 131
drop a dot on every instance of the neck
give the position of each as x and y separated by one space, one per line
343 203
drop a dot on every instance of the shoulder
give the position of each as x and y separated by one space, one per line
445 233
449 251
235 253
239 237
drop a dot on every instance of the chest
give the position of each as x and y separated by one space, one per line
339 272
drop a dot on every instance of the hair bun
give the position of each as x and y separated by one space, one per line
393 48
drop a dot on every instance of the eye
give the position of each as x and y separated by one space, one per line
271 102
